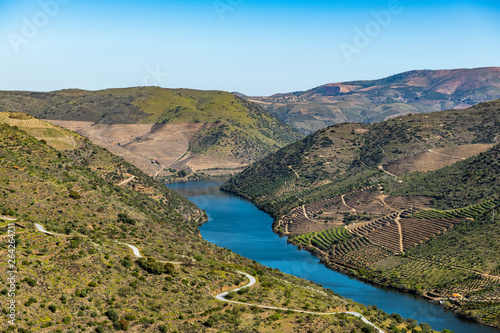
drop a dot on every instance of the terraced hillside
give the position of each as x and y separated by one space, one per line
378 100
71 214
394 251
163 131
409 189
348 157
55 136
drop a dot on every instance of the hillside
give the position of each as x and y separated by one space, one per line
163 131
346 157
418 91
75 272
408 203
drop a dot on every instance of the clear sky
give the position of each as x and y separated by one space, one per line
255 47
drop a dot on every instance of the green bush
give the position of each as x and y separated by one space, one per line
52 308
122 217
74 195
112 315
30 281
153 266
74 242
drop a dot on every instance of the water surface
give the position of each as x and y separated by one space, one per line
237 224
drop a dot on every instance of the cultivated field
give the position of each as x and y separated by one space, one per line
435 159
54 136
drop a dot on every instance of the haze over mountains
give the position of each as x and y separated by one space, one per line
370 101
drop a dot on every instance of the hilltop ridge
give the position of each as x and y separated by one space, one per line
163 131
369 101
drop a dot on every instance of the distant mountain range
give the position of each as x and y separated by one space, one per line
418 91
163 131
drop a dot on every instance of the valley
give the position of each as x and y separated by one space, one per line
374 201
74 210
168 133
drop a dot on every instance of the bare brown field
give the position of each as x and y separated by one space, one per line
435 159
153 148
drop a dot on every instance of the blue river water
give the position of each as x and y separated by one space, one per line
235 223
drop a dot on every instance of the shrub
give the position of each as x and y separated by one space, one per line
52 308
30 281
112 315
126 262
153 266
74 195
123 324
74 242
122 217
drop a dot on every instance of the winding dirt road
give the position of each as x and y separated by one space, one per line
7 218
251 281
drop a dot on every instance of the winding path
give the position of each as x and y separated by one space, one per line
252 281
457 157
296 174
135 250
7 218
345 203
125 181
400 232
41 228
305 213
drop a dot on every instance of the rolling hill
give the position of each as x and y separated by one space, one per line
72 211
418 91
411 202
161 130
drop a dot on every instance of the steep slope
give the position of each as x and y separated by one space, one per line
431 227
417 91
75 272
160 129
349 156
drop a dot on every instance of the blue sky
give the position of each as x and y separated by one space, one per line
254 47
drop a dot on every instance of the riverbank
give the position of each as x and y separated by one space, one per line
237 224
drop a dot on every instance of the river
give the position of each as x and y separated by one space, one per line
237 224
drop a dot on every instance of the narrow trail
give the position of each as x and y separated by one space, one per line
305 214
7 218
457 157
400 230
41 228
345 203
125 181
157 172
294 171
382 200
387 172
252 281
